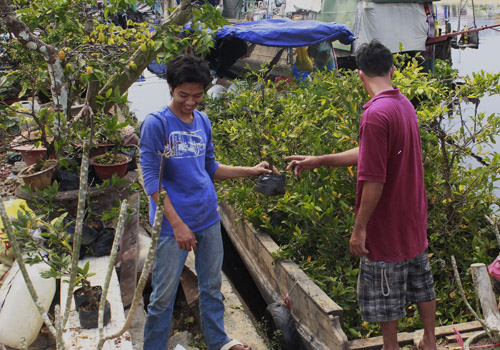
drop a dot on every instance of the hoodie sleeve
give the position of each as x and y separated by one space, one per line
151 143
210 163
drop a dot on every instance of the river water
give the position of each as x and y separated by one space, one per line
467 61
151 93
148 94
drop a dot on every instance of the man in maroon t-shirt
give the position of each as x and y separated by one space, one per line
390 231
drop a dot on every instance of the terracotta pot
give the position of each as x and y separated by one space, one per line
30 153
106 171
41 179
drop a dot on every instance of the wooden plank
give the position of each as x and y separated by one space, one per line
444 332
316 315
78 338
189 285
373 343
484 291
128 252
104 196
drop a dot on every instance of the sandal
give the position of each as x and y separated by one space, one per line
234 342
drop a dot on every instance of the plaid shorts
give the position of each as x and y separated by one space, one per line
385 287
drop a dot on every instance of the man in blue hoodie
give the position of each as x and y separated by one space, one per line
191 219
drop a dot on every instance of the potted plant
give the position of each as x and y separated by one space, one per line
87 299
264 139
37 144
40 174
53 247
33 138
111 162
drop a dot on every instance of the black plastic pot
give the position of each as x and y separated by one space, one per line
69 178
68 181
89 318
80 298
89 235
271 184
102 246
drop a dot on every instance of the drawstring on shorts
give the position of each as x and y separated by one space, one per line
384 277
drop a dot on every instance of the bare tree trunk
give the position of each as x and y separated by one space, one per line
167 4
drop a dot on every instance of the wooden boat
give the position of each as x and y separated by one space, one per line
317 318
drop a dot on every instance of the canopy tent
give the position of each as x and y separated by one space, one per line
283 32
232 40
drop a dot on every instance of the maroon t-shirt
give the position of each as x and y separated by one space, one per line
390 152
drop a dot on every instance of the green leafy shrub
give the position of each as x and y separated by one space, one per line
312 222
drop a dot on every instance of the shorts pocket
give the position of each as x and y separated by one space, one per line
367 273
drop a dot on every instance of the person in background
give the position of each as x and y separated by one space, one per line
390 230
191 218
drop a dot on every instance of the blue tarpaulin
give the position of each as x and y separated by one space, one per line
284 32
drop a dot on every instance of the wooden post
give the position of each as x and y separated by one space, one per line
128 255
486 296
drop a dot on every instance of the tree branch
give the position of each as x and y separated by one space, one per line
24 35
141 59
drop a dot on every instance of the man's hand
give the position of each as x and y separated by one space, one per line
184 237
301 163
262 168
357 243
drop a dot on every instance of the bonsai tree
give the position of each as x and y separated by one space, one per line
59 261
50 243
111 134
69 53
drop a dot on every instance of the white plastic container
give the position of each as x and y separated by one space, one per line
19 316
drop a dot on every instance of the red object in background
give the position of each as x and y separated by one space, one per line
284 82
30 153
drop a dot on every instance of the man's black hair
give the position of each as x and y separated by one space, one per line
374 59
187 69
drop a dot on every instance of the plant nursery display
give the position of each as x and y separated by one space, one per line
312 221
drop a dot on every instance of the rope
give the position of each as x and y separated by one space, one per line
286 299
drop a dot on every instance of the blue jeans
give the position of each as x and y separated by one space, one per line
168 264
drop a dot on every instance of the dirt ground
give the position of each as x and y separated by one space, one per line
8 180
